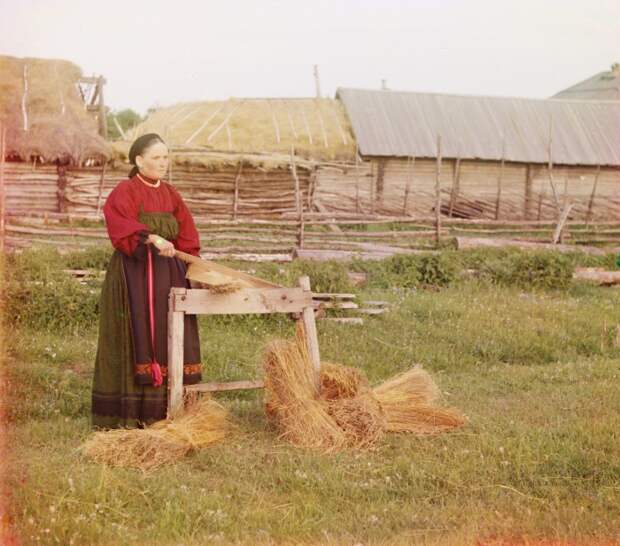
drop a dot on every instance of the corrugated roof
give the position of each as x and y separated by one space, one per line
391 123
601 86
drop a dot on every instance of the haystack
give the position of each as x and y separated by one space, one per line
43 113
203 423
345 411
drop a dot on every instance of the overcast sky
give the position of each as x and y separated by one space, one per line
158 52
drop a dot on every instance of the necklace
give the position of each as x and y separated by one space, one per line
156 185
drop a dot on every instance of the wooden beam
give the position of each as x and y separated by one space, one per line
244 301
175 354
227 386
311 336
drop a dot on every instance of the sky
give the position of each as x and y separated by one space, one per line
160 52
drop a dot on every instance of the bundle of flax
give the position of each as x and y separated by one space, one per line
203 423
345 411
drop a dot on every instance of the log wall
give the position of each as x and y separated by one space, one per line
398 186
392 187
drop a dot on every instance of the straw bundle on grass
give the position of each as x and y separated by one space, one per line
341 381
360 418
291 397
407 402
346 412
203 423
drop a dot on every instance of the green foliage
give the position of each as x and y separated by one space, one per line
126 118
93 257
40 295
410 271
531 269
329 276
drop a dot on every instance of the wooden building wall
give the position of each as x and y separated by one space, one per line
470 189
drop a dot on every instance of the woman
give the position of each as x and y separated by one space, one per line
146 221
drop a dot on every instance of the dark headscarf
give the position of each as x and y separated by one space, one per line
140 145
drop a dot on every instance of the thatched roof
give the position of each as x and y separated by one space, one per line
43 113
317 128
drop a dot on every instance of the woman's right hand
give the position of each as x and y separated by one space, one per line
165 247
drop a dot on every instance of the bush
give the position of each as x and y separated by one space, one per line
39 294
531 269
329 276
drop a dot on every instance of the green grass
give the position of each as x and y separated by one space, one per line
536 371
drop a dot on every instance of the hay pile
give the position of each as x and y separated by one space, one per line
203 423
43 113
345 411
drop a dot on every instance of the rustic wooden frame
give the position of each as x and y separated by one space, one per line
182 301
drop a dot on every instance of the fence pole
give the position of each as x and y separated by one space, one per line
438 193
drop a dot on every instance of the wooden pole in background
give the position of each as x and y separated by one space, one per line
101 181
2 193
438 192
410 168
499 179
455 185
358 205
236 196
298 202
591 202
550 169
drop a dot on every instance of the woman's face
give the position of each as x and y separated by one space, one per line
154 161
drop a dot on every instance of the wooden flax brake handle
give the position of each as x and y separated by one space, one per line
222 269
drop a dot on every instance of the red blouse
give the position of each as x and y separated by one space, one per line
123 205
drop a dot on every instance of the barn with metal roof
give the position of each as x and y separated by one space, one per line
496 153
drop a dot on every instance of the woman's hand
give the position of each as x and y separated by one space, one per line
166 248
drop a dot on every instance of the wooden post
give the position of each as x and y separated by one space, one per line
236 195
528 192
358 205
312 339
2 192
101 181
410 165
298 202
456 179
541 197
381 182
550 170
175 354
499 179
62 188
557 235
438 192
591 201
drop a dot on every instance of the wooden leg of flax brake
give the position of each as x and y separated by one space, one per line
175 354
310 329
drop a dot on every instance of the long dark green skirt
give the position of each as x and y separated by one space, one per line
123 395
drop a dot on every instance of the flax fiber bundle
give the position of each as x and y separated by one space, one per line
408 402
346 412
203 423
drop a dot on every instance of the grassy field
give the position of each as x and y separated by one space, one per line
536 370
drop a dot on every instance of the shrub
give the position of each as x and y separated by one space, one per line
329 276
531 269
39 294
